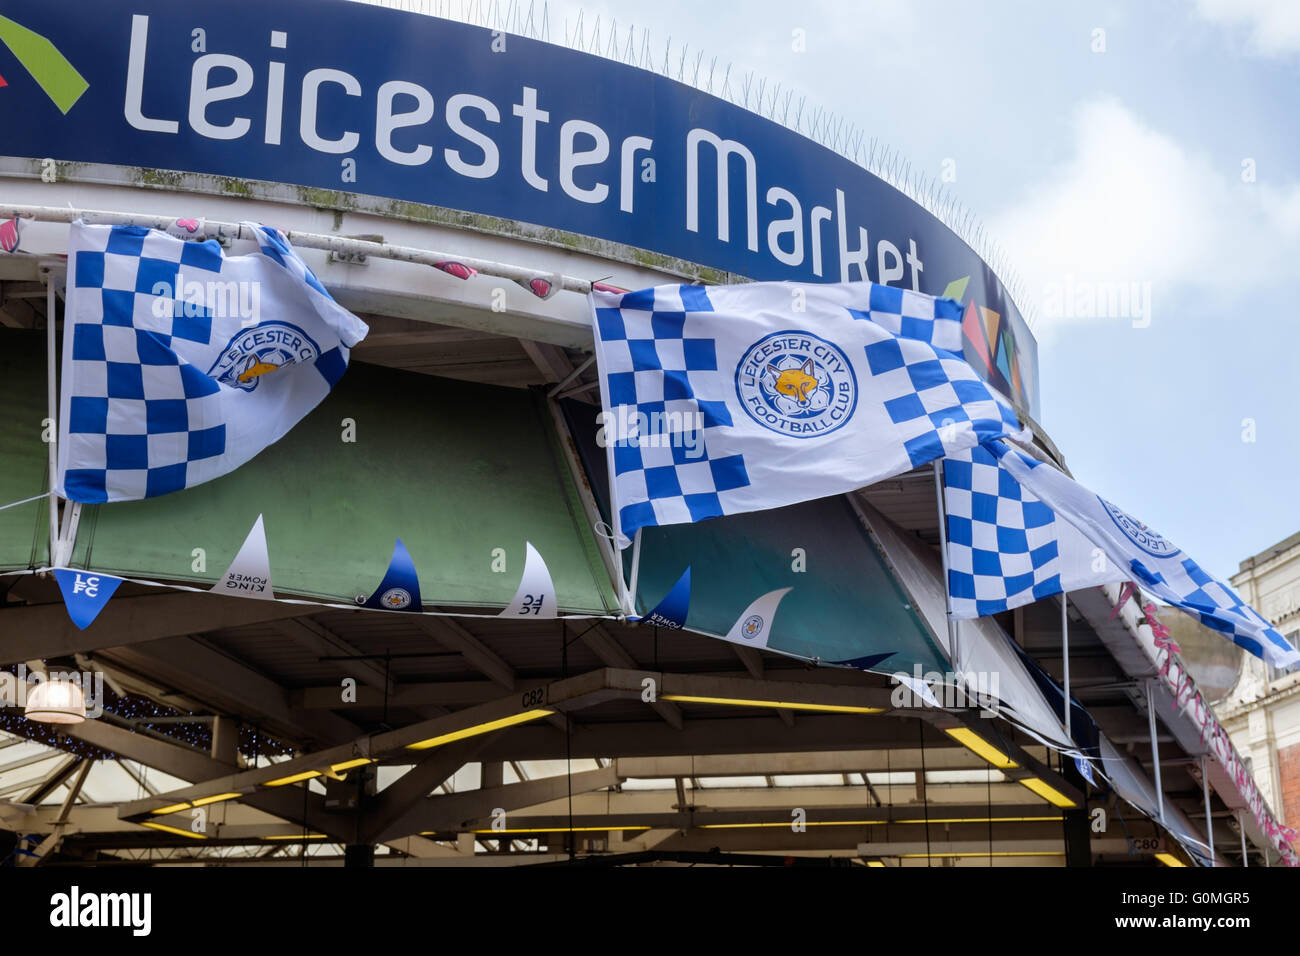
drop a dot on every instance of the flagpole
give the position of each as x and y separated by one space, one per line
68 534
1209 820
1065 658
52 398
1155 746
943 555
615 519
617 528
636 571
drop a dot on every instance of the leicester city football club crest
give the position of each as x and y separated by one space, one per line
752 627
251 353
797 383
396 599
1142 536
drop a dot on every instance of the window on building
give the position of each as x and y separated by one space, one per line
1274 673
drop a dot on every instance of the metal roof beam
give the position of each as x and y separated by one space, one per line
323 642
56 777
455 637
453 810
45 630
572 692
232 687
396 800
614 654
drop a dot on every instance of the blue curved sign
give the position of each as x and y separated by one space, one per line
347 96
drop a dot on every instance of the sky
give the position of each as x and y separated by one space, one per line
1153 146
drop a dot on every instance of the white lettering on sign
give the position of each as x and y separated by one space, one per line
231 99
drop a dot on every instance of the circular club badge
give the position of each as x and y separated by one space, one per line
797 383
251 353
1142 536
752 627
396 599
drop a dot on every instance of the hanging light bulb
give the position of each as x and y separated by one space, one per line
56 702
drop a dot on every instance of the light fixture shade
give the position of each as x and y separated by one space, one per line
56 702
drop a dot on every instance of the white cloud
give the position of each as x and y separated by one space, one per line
1132 205
1274 24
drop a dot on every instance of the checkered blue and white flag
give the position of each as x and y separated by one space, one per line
740 398
1005 547
181 363
1152 561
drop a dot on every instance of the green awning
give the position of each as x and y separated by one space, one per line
845 606
24 472
456 470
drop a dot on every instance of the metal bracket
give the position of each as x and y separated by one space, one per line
355 258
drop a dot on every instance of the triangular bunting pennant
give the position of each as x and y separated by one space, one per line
10 235
754 626
85 593
920 690
249 575
671 611
536 594
1084 766
400 588
866 662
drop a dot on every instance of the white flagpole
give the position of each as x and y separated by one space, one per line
52 396
636 571
1065 658
615 522
1155 746
943 555
1209 820
624 600
68 534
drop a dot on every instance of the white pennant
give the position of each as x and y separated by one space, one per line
249 575
754 625
919 688
536 595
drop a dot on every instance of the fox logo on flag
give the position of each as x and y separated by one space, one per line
739 398
181 363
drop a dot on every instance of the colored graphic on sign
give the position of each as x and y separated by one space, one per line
992 345
48 67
